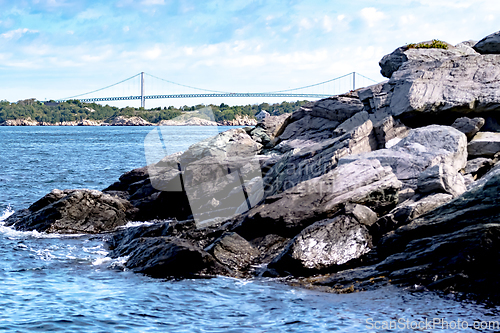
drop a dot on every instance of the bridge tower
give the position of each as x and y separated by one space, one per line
143 100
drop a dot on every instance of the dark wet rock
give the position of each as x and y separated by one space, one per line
75 211
129 178
269 247
485 144
468 126
441 178
489 44
119 242
363 182
169 257
451 248
233 251
491 125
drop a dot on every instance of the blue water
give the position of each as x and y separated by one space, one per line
68 284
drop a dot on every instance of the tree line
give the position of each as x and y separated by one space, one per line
74 110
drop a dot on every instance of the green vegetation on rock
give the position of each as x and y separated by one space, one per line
434 44
74 110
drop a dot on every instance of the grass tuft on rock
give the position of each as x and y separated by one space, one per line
434 44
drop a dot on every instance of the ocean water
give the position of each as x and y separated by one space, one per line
68 284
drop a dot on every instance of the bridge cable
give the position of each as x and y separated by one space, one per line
112 85
183 85
312 85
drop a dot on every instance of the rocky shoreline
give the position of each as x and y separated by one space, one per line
396 183
135 121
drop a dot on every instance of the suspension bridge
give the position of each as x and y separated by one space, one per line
137 83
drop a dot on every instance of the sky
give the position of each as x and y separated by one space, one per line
51 49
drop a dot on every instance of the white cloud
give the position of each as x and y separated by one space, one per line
153 53
372 16
327 23
18 33
305 24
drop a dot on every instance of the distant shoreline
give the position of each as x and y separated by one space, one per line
134 121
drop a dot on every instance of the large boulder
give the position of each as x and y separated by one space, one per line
269 128
74 212
168 257
312 158
468 126
489 44
322 245
328 243
422 148
393 61
441 178
363 182
485 144
437 92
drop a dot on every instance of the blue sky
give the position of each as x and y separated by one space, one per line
52 49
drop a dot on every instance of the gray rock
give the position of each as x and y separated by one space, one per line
417 206
469 43
233 251
337 108
450 248
484 144
231 143
352 123
363 182
468 126
461 85
389 129
274 125
393 61
489 44
324 244
466 47
312 158
363 214
494 172
431 92
468 180
422 148
441 178
73 212
478 166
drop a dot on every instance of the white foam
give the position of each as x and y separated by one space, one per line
6 213
111 263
